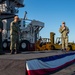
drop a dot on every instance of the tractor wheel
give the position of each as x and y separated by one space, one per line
52 47
5 45
69 48
24 45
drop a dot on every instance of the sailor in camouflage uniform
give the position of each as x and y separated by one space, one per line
14 35
64 30
1 28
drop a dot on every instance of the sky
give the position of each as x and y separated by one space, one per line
52 13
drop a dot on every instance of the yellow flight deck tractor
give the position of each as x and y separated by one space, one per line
51 44
48 44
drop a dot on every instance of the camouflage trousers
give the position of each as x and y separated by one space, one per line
14 42
64 43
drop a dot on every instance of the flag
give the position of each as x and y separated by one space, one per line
49 65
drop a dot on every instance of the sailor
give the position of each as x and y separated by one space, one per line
1 28
14 35
64 30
